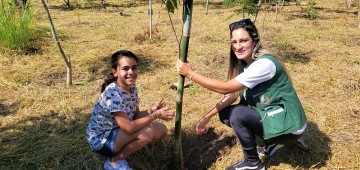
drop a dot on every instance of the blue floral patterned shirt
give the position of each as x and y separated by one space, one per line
113 99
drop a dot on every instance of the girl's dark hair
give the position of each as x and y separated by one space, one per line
114 63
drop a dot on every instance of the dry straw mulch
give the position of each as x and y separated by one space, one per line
42 122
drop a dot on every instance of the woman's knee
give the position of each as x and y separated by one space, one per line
237 118
245 115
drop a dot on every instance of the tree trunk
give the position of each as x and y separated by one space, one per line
258 5
2 6
276 10
67 61
206 7
281 5
67 3
150 22
177 159
348 3
359 17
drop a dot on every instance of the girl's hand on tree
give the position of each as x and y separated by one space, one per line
158 105
165 113
200 126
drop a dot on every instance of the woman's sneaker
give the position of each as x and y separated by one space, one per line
246 165
267 151
301 144
121 165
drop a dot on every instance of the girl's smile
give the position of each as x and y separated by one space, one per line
126 72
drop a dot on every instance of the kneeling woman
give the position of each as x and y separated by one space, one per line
269 106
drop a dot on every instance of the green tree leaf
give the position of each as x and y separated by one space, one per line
170 5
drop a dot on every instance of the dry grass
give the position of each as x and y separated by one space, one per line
43 123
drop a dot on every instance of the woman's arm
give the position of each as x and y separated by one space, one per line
222 87
226 101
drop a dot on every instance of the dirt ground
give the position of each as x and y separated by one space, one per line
202 151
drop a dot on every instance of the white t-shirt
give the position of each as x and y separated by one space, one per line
113 99
259 71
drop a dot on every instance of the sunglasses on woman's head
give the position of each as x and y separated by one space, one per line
239 24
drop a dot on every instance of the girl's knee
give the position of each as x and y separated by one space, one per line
160 130
147 134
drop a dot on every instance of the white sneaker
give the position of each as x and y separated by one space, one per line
121 165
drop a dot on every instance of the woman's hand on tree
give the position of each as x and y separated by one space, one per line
183 68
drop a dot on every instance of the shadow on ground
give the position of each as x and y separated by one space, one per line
201 151
7 109
50 141
319 151
55 141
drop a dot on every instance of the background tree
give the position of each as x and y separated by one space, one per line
348 3
66 59
67 3
248 7
359 12
206 6
279 5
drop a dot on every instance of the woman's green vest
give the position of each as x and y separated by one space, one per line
277 103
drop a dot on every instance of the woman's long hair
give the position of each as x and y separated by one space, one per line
114 63
237 66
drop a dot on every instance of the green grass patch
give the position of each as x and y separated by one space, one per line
15 27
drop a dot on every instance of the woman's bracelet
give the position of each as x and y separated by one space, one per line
192 75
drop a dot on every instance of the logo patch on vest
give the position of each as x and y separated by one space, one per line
264 99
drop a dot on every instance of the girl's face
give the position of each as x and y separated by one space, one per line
126 72
242 45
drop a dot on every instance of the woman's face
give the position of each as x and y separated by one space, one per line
126 72
242 45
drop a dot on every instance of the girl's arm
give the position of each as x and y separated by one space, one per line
143 118
158 105
222 87
227 100
130 127
140 114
